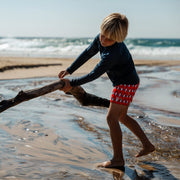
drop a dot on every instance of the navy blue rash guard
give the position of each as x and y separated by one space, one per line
116 61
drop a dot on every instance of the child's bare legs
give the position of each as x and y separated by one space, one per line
113 115
119 112
136 129
132 125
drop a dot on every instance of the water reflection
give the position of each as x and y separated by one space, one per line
53 137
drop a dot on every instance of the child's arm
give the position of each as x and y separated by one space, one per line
84 56
100 69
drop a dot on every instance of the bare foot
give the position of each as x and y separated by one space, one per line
146 151
112 164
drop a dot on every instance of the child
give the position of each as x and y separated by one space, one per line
117 62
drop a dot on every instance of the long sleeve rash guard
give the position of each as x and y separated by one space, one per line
116 61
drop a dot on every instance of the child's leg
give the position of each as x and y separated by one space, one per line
114 113
137 130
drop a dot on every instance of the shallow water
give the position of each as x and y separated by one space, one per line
53 137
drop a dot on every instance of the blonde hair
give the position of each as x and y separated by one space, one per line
115 27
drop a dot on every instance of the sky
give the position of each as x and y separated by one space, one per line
82 18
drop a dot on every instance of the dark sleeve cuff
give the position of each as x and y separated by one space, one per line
69 70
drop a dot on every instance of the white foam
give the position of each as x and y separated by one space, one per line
172 53
63 47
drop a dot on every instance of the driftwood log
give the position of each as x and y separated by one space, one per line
78 92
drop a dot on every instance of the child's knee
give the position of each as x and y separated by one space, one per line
111 119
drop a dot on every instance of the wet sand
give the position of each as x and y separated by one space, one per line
53 137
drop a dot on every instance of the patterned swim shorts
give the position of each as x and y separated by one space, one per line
123 94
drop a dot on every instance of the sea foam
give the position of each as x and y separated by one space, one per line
166 49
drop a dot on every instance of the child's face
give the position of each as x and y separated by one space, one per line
105 42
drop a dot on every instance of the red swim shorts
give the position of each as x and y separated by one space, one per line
123 94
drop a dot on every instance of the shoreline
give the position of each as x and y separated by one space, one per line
31 67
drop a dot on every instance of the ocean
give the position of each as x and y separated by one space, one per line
62 47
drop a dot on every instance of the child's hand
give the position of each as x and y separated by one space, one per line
62 74
67 86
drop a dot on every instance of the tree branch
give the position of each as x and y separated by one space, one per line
78 92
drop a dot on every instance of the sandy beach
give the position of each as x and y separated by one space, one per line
53 137
21 67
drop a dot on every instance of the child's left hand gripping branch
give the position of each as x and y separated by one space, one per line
67 86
